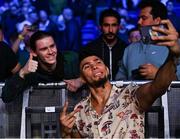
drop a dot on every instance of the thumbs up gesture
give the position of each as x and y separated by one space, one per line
31 66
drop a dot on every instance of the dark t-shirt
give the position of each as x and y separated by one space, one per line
8 61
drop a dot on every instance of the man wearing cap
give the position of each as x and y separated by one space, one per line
118 112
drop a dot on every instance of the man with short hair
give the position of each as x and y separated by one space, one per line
109 47
45 65
134 35
142 61
118 112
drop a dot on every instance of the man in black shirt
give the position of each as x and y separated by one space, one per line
8 61
108 46
45 65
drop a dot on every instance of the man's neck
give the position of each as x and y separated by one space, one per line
99 96
110 43
48 68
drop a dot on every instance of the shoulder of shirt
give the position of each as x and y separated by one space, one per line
135 44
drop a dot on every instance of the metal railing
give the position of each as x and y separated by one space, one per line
61 85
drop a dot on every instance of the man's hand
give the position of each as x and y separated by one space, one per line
26 30
170 39
31 66
148 71
67 120
73 84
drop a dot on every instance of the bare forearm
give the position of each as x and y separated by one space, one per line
15 45
149 92
165 75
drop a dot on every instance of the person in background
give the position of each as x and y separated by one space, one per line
141 61
118 112
172 15
134 35
8 61
108 46
72 31
45 24
45 65
21 45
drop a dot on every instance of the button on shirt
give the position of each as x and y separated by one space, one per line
120 118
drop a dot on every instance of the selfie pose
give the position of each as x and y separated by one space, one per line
118 112
141 61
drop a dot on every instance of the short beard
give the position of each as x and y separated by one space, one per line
99 83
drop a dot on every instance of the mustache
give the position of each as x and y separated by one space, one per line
108 34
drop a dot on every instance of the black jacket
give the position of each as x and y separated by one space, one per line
8 61
99 48
16 85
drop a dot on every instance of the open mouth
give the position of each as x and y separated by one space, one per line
98 74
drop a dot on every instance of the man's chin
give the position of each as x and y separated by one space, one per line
110 38
51 62
100 82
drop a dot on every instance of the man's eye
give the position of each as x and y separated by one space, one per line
99 62
105 25
114 25
86 67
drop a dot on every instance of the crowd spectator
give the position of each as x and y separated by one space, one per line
118 112
172 15
45 65
141 61
8 60
21 45
134 35
72 31
9 20
108 45
45 24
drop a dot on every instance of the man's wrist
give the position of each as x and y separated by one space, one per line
21 73
80 81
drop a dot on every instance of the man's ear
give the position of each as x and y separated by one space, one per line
107 70
157 20
82 79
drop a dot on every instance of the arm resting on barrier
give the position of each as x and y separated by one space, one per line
12 88
16 85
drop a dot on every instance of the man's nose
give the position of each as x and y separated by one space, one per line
50 50
93 66
110 29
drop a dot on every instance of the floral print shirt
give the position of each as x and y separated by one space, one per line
119 119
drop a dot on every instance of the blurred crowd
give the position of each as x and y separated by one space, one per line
73 23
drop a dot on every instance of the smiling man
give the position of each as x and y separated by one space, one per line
141 61
118 112
44 65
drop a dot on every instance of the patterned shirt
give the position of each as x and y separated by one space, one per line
119 119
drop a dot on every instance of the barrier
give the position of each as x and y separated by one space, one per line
7 129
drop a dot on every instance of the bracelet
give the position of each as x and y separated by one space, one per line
21 37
